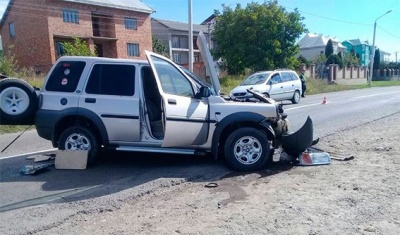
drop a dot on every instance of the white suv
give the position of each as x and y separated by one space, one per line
88 103
278 84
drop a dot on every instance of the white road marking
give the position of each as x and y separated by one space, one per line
386 93
29 154
303 106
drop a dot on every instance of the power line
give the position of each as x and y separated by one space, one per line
398 37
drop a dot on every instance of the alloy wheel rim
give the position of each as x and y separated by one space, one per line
77 141
248 150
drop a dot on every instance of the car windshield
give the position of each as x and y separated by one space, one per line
254 79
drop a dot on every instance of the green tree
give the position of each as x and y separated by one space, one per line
334 59
329 48
303 60
349 59
377 59
77 47
258 37
159 46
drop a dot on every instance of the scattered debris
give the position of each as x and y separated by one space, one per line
308 158
334 155
211 185
44 157
35 169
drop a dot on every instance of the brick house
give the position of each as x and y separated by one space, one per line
33 29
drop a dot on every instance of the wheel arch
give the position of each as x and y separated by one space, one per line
83 117
237 120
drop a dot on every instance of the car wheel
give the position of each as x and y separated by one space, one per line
80 138
247 149
18 102
296 97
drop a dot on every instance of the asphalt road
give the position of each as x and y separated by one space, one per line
118 172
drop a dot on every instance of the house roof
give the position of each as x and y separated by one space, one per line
180 26
132 5
317 40
357 42
209 19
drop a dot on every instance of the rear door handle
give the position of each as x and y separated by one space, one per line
90 100
171 101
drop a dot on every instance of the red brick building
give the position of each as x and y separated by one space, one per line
33 29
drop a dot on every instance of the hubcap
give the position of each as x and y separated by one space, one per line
14 101
77 141
247 150
296 96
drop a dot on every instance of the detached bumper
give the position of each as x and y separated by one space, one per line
297 142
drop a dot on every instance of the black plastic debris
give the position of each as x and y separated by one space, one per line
35 169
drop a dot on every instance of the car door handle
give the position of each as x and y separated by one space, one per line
171 101
90 100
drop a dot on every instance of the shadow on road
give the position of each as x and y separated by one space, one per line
114 172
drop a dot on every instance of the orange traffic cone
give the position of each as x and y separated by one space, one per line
324 100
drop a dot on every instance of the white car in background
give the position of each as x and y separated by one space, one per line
278 85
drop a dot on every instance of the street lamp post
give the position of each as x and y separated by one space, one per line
373 50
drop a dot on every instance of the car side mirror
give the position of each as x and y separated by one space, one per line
204 92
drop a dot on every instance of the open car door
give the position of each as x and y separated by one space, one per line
185 117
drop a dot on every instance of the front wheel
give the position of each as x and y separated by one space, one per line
80 138
296 97
247 149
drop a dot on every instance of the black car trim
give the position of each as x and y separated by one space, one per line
190 120
119 116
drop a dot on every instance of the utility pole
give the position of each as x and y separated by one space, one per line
371 70
190 37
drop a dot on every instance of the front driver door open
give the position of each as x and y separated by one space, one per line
185 117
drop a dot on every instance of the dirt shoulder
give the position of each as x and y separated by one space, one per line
361 196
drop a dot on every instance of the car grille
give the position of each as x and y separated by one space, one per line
240 94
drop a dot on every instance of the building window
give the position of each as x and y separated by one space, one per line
133 49
177 58
11 27
70 16
130 23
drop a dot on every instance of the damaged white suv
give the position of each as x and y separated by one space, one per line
89 103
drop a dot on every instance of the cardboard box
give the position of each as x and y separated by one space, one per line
71 159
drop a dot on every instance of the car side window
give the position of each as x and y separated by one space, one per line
286 77
172 81
294 77
276 78
112 79
65 76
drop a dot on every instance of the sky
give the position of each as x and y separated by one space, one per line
341 19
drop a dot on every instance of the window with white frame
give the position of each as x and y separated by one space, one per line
130 23
133 49
177 58
11 28
70 16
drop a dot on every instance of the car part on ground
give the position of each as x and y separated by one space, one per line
18 102
297 142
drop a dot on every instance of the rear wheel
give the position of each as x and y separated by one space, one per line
247 149
18 102
296 97
80 138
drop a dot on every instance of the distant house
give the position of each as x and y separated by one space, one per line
36 28
361 49
312 45
176 36
385 56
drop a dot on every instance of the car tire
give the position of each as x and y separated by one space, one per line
18 102
80 138
296 97
247 149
